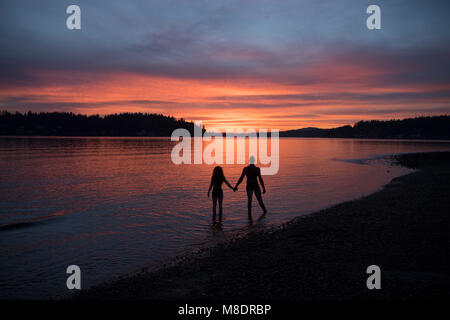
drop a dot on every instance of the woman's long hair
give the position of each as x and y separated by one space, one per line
218 174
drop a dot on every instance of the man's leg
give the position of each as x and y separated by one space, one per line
260 200
249 196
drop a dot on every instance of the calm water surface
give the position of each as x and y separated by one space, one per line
112 205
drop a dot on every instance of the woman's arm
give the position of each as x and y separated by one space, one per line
210 186
225 180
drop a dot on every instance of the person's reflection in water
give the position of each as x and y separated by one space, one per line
217 179
253 174
216 225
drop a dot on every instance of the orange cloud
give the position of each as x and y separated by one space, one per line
340 95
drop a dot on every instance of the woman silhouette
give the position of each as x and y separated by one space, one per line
217 179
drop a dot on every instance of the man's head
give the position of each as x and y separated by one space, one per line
252 160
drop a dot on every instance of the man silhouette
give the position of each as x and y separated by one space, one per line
253 174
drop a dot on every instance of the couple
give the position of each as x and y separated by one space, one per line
252 172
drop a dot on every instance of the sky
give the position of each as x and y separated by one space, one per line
258 64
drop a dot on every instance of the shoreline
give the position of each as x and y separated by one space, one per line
322 255
427 140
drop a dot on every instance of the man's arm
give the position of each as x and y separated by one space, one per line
261 181
240 179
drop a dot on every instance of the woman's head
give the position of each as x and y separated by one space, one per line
218 173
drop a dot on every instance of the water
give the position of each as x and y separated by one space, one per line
112 205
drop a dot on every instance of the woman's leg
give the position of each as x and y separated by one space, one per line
214 200
220 206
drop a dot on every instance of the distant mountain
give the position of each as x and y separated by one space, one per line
437 127
158 125
304 132
70 124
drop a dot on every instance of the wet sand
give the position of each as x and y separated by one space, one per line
404 229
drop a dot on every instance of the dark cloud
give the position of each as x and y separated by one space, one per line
292 43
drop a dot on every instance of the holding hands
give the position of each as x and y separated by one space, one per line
252 173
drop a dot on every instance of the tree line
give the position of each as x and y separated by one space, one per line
70 124
158 125
437 127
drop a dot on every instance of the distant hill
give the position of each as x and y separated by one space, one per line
70 124
305 132
437 127
158 125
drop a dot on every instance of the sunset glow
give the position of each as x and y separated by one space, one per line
254 78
